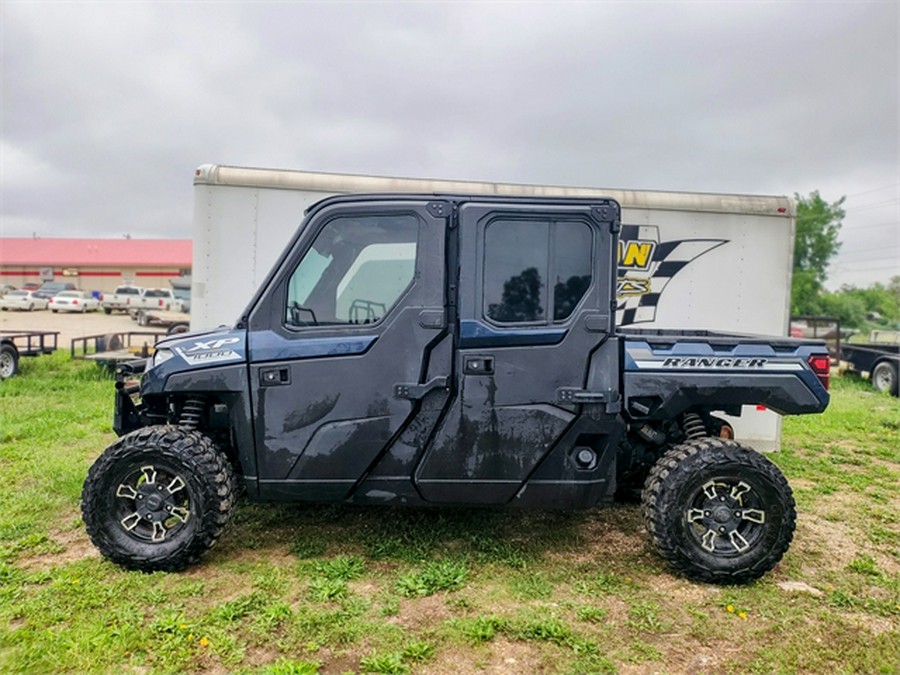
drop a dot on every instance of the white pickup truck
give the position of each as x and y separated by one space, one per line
157 299
118 300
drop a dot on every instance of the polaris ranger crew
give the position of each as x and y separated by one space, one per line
444 349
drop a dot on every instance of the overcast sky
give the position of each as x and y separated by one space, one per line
109 107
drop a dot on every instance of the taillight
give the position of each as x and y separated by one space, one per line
74 302
160 303
128 301
821 366
101 297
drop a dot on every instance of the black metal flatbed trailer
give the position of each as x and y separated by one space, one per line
881 361
16 344
111 350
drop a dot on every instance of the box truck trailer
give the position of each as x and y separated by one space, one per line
700 261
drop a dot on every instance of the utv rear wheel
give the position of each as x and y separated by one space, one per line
158 498
718 511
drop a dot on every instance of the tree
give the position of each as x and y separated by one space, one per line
816 242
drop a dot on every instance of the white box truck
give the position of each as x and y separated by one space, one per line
719 262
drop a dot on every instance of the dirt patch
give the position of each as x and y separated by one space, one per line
499 657
74 544
422 613
831 543
682 593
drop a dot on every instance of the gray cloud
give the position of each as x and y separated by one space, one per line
108 108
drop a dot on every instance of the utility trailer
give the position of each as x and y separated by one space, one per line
173 322
717 262
881 361
16 344
111 350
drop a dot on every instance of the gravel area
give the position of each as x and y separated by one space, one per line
70 324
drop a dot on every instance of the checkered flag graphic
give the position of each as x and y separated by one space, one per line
640 289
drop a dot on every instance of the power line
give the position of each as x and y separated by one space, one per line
869 249
868 192
854 263
846 228
874 205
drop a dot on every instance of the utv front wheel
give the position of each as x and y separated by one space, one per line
718 511
158 498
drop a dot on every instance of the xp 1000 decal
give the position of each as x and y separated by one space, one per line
646 265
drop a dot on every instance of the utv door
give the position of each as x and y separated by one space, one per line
341 342
536 370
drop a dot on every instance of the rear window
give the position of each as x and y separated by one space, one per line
535 271
156 294
128 290
18 294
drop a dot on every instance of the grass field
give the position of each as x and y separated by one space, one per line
306 589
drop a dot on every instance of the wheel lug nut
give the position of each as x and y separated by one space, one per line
707 513
722 530
737 514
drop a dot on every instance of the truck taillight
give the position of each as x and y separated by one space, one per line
100 298
160 303
821 366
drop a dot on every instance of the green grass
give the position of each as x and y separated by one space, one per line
301 589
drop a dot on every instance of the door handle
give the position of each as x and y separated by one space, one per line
478 365
273 377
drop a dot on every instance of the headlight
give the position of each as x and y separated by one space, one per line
161 356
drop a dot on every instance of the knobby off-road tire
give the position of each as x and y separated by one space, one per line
158 498
9 361
718 511
884 377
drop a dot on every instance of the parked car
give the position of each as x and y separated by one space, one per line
6 288
30 286
74 301
50 288
23 300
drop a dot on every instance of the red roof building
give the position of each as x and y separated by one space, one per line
94 264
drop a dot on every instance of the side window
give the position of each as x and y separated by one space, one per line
570 265
535 271
355 272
